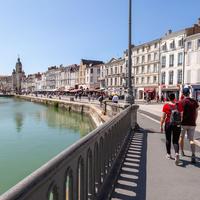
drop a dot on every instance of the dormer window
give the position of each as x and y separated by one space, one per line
164 47
172 45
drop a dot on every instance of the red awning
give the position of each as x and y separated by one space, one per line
149 90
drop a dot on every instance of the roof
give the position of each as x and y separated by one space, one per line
91 62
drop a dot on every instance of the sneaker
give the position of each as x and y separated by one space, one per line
193 159
168 156
176 159
182 153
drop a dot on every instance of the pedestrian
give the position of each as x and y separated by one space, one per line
115 99
89 97
79 95
190 114
76 96
157 98
171 117
101 100
162 98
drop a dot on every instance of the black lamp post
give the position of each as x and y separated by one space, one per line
129 97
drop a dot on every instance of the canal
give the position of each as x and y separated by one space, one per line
31 134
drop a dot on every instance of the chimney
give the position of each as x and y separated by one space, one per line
199 22
169 32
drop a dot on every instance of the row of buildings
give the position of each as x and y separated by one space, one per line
159 67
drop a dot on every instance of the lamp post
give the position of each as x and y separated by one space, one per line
129 97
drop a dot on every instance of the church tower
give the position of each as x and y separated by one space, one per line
17 76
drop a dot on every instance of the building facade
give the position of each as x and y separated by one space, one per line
114 76
145 60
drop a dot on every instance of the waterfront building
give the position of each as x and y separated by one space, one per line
84 65
145 62
102 77
51 78
17 76
92 75
73 81
5 83
115 73
172 62
192 60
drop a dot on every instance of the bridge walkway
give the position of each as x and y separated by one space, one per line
147 174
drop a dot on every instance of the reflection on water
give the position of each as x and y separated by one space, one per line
44 132
19 121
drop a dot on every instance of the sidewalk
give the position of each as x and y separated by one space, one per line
147 175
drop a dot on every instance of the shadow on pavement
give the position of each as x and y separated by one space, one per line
131 183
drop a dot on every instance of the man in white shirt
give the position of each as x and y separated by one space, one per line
115 99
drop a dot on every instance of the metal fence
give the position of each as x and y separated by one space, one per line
79 172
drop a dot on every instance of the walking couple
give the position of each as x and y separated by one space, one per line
179 118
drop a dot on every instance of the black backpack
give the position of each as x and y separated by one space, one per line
175 117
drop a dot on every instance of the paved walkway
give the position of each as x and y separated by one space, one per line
147 175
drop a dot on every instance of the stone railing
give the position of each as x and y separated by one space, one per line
81 171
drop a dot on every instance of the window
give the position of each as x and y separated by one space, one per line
106 71
143 59
189 45
198 43
155 45
155 56
154 79
142 69
137 80
172 45
148 79
143 49
163 78
179 77
138 50
121 69
148 69
180 58
91 79
164 47
120 81
116 81
98 71
149 57
137 60
91 70
115 70
111 71
155 68
111 81
180 42
171 60
137 70
171 77
163 61
142 80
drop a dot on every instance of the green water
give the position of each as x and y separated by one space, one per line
31 134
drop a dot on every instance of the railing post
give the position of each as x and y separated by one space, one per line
134 109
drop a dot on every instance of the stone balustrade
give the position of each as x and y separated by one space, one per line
82 171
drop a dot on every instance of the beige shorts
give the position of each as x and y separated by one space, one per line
190 132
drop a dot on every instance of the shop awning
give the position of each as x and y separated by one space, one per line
149 89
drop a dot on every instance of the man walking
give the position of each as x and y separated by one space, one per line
190 113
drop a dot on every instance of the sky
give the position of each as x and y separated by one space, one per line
53 32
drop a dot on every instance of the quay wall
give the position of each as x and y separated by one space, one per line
81 107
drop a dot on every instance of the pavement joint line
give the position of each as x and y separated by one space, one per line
150 118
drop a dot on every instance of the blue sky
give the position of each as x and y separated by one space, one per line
54 32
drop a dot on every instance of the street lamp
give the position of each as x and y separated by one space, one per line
129 97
